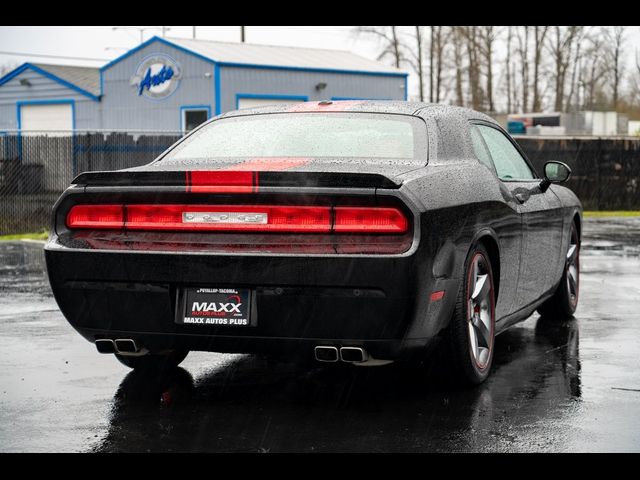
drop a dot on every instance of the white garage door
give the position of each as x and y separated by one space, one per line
261 102
55 119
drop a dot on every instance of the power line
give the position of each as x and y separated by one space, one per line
20 54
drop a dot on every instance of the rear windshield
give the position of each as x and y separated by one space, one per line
317 135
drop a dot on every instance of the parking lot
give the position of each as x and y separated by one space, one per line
572 386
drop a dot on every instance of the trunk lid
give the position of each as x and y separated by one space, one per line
259 172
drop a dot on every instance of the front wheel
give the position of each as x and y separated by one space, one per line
563 303
470 336
154 362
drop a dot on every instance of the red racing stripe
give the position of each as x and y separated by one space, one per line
240 178
220 181
243 177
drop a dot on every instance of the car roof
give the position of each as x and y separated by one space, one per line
369 106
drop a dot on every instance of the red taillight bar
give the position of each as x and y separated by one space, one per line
96 216
228 218
233 218
369 220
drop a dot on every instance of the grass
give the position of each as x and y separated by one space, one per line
41 235
616 213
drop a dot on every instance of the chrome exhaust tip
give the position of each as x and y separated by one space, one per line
126 345
105 345
326 354
353 355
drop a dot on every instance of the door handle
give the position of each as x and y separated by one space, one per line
521 197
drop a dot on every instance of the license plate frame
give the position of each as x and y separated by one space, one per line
216 307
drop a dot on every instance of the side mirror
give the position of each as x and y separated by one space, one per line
554 172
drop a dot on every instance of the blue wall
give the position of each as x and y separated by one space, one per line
203 83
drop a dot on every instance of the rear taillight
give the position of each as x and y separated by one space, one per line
96 216
227 218
369 220
233 218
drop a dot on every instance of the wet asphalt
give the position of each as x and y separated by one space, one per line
569 386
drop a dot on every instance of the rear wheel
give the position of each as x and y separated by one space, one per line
155 362
470 336
564 302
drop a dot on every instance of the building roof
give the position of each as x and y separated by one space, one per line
271 56
87 78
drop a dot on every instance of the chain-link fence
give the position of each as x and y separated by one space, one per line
36 167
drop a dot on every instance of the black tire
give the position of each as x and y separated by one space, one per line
154 362
470 358
562 305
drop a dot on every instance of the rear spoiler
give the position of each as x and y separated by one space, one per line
211 181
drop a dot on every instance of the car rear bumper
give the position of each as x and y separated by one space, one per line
380 303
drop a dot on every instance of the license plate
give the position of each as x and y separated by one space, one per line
230 307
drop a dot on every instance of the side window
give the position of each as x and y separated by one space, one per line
508 162
480 148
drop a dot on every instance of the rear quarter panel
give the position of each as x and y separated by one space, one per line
461 201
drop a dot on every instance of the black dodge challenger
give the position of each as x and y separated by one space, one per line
357 231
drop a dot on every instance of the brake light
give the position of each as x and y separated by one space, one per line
233 218
228 218
96 216
369 219
222 181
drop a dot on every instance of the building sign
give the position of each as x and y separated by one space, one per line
157 77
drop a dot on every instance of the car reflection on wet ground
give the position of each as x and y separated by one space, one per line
555 386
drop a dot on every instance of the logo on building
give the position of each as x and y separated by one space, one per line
157 77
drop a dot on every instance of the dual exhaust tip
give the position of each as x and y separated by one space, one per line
322 353
345 354
122 345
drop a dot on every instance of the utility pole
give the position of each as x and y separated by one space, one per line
193 32
165 30
242 34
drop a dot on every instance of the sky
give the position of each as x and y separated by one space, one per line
104 43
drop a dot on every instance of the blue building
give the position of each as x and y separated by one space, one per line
174 84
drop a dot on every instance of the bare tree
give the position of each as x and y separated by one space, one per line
539 33
632 100
391 46
615 60
431 61
416 59
593 71
458 45
523 51
487 37
439 40
420 56
575 71
515 68
472 46
508 68
560 46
